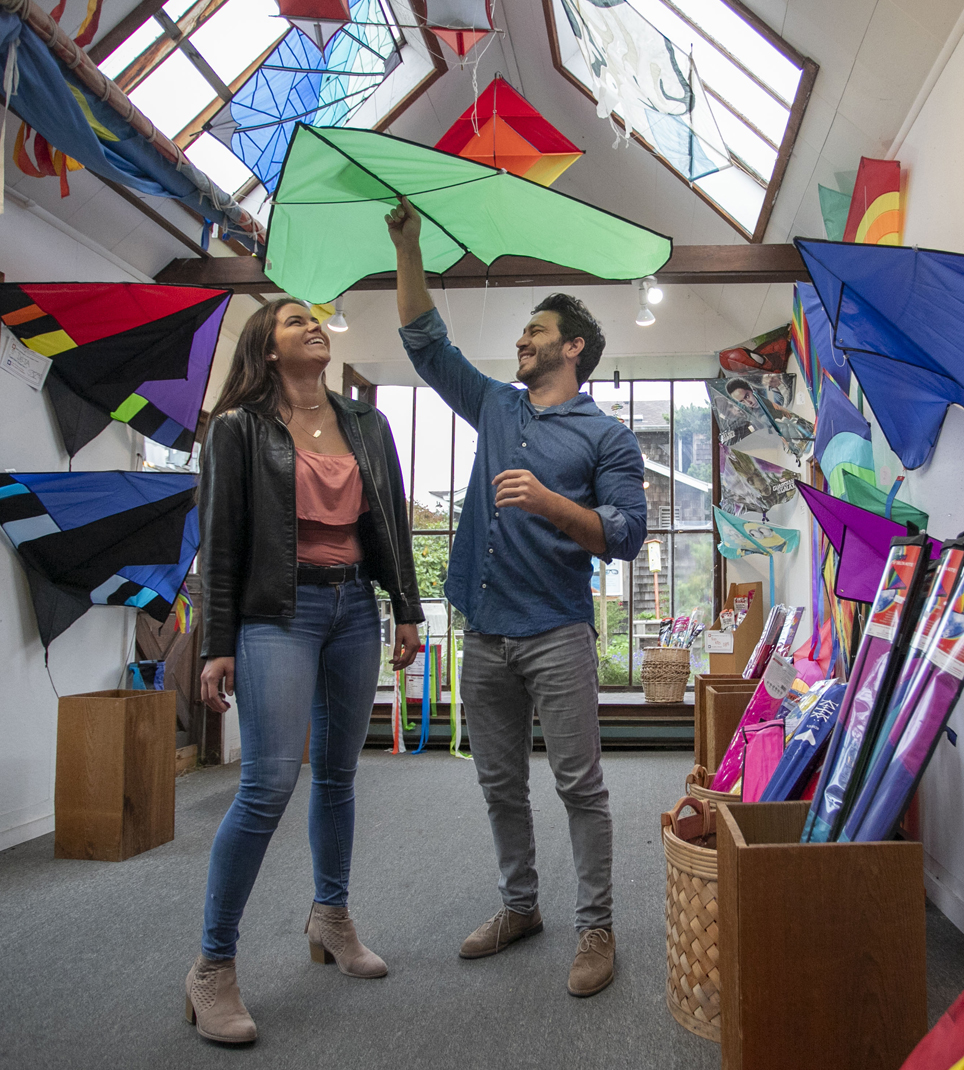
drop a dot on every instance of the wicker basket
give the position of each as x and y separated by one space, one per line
664 673
696 785
692 930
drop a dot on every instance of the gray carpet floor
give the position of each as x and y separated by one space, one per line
93 955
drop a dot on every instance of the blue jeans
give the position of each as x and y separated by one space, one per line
320 665
554 674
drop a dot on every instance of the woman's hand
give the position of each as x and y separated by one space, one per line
217 680
406 646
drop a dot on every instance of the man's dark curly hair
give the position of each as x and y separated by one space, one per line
576 321
737 384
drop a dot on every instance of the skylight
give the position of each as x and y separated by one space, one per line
195 71
707 88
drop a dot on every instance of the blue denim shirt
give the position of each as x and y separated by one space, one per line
511 572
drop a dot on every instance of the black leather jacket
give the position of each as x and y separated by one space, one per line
249 526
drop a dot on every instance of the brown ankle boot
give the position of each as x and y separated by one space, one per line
332 938
593 967
214 1003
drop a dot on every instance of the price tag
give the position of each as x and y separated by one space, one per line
717 642
21 362
779 676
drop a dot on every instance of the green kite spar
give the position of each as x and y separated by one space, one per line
327 227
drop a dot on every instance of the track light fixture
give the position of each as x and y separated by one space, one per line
338 321
649 294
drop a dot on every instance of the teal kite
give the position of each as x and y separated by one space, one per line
327 227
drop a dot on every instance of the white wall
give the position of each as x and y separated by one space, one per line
932 158
91 655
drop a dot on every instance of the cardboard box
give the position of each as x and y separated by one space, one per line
114 794
822 946
724 707
744 638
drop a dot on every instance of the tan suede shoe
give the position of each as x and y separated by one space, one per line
214 1003
499 931
592 968
332 938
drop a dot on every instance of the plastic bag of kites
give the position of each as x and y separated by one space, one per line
762 751
807 745
943 1047
889 628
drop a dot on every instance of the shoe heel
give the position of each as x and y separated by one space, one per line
189 1011
535 929
320 953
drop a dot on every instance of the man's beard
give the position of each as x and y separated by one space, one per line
546 360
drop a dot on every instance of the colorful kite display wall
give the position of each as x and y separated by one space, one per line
132 352
502 129
100 538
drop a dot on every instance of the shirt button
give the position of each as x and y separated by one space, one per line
497 514
523 443
483 586
491 551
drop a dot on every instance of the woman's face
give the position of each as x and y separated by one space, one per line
299 341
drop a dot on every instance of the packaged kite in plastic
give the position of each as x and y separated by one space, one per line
762 750
882 648
766 644
808 743
939 686
772 689
884 734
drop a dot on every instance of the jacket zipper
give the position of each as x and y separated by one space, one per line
368 461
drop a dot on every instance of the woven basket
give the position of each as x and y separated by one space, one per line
696 785
692 930
664 673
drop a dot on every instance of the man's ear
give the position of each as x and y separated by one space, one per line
574 348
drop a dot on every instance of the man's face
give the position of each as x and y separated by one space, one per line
745 397
540 349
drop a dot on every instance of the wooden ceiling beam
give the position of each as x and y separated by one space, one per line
690 265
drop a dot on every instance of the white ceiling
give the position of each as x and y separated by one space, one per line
874 57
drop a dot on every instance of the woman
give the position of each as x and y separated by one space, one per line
301 508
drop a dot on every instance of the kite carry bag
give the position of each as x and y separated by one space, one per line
692 929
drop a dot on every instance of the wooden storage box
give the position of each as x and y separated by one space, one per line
822 946
724 708
114 794
745 637
720 682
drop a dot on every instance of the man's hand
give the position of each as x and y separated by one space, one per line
404 224
217 672
406 646
518 487
404 227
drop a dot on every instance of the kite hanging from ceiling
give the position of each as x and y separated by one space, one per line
502 129
327 228
460 24
100 538
132 352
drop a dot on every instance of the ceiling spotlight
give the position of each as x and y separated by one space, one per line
645 315
653 293
338 321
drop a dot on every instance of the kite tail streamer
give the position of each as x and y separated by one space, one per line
455 701
183 611
406 724
426 694
892 495
398 700
816 590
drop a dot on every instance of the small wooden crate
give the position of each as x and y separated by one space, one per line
720 682
724 710
114 794
822 946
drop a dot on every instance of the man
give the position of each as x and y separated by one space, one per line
555 481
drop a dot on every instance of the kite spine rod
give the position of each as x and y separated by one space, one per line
108 91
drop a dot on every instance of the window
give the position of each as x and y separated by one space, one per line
705 86
227 79
673 425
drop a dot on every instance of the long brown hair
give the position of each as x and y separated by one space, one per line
253 380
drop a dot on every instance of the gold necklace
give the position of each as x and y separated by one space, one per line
324 420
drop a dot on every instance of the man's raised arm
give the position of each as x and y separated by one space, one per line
404 226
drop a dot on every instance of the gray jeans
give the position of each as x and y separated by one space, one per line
503 681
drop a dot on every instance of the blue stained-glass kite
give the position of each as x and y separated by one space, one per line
100 538
137 353
300 82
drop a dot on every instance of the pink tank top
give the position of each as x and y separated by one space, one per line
330 498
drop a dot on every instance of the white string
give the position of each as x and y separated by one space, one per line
485 294
448 313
